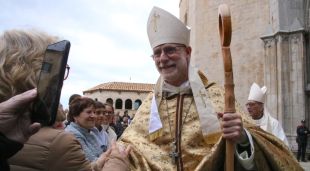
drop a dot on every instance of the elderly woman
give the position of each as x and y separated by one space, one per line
82 118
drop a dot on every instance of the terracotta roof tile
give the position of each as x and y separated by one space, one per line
123 86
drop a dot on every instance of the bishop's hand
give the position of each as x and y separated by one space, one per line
232 127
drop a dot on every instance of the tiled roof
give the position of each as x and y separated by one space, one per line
122 86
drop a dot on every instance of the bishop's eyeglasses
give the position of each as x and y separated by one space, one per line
167 50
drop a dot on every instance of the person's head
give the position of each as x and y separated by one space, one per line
60 117
255 104
21 56
82 112
100 112
126 113
125 119
109 113
255 109
72 97
303 122
169 39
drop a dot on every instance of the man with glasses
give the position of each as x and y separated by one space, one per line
179 126
261 115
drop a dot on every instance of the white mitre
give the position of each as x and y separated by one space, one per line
163 27
257 93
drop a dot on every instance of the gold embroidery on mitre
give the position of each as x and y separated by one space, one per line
154 21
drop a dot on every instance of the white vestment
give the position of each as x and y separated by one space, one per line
272 125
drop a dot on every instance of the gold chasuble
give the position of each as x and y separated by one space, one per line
180 144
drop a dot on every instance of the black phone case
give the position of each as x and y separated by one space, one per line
50 83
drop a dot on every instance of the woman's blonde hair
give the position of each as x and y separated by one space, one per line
21 56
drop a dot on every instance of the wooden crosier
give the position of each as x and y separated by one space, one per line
225 36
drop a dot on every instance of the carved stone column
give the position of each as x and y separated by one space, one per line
270 73
297 77
284 78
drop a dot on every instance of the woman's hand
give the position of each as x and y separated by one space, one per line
15 122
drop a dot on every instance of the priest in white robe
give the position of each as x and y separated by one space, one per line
261 115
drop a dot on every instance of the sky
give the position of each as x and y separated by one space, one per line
108 37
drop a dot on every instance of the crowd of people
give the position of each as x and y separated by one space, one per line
179 126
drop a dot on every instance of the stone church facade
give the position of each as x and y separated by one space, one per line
122 95
270 46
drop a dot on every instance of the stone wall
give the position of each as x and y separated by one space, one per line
249 21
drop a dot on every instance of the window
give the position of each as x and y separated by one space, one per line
110 101
128 104
137 104
118 104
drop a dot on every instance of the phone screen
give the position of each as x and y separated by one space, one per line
50 83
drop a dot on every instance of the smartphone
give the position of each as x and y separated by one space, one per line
50 83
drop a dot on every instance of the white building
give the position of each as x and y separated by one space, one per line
123 95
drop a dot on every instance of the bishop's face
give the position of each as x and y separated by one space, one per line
255 109
172 62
